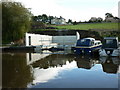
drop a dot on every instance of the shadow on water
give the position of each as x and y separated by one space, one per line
19 68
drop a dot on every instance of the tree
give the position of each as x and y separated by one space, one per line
39 18
34 18
69 21
50 18
44 18
108 15
74 23
15 21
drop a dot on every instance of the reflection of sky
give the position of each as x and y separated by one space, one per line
119 69
44 75
69 76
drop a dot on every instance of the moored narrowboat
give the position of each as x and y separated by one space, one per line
110 47
87 45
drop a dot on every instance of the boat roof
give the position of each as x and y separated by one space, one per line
97 41
110 37
89 38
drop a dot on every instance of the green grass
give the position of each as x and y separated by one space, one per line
92 26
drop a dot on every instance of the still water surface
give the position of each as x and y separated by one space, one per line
59 70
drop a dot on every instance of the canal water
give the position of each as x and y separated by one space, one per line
59 70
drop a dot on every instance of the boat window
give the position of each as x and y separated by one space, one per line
83 42
92 42
109 41
99 42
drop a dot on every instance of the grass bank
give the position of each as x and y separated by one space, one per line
90 26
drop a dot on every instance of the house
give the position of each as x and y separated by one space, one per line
58 21
94 19
111 19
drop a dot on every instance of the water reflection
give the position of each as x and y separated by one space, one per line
48 68
15 72
22 70
33 57
110 64
45 75
54 60
86 62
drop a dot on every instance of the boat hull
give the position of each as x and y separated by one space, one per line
86 50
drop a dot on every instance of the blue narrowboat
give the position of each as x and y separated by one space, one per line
87 45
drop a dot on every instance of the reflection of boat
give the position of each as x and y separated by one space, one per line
87 45
85 62
110 47
115 60
110 64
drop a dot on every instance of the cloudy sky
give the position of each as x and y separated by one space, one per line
77 10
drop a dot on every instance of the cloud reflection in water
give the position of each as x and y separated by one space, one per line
44 75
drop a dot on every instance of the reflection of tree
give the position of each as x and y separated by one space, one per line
55 60
15 72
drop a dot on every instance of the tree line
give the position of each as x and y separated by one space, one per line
44 18
47 19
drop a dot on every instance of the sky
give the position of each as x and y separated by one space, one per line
77 10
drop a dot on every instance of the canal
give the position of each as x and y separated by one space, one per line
58 70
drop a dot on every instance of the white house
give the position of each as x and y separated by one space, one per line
95 19
58 21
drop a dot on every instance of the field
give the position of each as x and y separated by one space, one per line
90 26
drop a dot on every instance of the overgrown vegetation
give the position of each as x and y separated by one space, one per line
15 21
110 34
